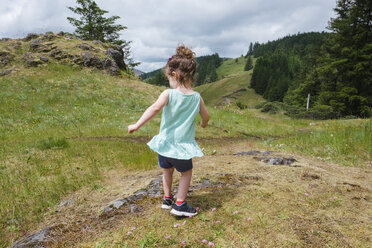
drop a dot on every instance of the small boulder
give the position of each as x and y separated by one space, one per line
5 39
38 240
85 46
30 36
91 60
107 62
114 70
6 72
118 56
36 44
44 59
5 58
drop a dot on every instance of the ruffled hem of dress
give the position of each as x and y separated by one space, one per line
184 150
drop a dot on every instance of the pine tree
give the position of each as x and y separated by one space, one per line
346 70
249 65
93 25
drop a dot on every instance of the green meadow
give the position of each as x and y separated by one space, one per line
64 128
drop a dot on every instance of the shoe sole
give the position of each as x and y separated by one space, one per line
163 206
179 213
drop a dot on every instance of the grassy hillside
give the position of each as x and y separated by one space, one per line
233 86
63 135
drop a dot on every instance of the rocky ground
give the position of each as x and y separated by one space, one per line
39 49
299 201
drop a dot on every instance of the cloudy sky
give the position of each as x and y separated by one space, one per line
155 27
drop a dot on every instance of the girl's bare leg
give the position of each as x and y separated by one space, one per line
167 181
184 185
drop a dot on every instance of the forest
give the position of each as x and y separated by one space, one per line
335 68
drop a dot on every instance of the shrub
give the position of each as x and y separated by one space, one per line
241 105
270 107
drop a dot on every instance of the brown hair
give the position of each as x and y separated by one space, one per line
184 64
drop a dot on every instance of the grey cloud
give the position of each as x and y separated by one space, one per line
156 27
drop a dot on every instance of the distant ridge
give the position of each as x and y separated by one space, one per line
137 72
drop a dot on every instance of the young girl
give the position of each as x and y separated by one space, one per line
175 143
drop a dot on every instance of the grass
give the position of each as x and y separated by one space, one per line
285 208
63 129
45 116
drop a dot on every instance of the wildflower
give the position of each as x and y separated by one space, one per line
176 225
184 223
129 233
211 244
218 222
306 194
183 243
369 165
214 209
167 237
204 241
197 208
249 218
133 228
235 212
335 198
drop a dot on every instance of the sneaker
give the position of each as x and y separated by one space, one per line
167 203
183 210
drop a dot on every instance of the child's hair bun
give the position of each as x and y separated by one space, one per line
184 52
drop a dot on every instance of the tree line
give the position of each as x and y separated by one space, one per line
334 68
205 72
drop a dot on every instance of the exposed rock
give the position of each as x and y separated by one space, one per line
248 153
16 45
33 63
58 54
36 44
107 62
254 152
98 42
5 39
26 55
277 160
61 33
118 56
5 58
30 36
266 153
85 46
37 240
153 190
91 60
31 60
44 59
6 72
49 36
114 70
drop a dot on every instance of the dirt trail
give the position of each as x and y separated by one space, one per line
79 220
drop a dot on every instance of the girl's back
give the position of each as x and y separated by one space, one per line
176 138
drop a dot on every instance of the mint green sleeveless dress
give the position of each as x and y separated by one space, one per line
176 138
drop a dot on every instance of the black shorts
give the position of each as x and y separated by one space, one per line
181 165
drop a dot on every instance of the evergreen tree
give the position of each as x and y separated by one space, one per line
93 25
249 65
346 70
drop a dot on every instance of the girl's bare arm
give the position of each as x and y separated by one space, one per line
150 111
204 113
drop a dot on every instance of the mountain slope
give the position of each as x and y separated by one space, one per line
233 86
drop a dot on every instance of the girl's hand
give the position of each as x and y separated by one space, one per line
132 128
